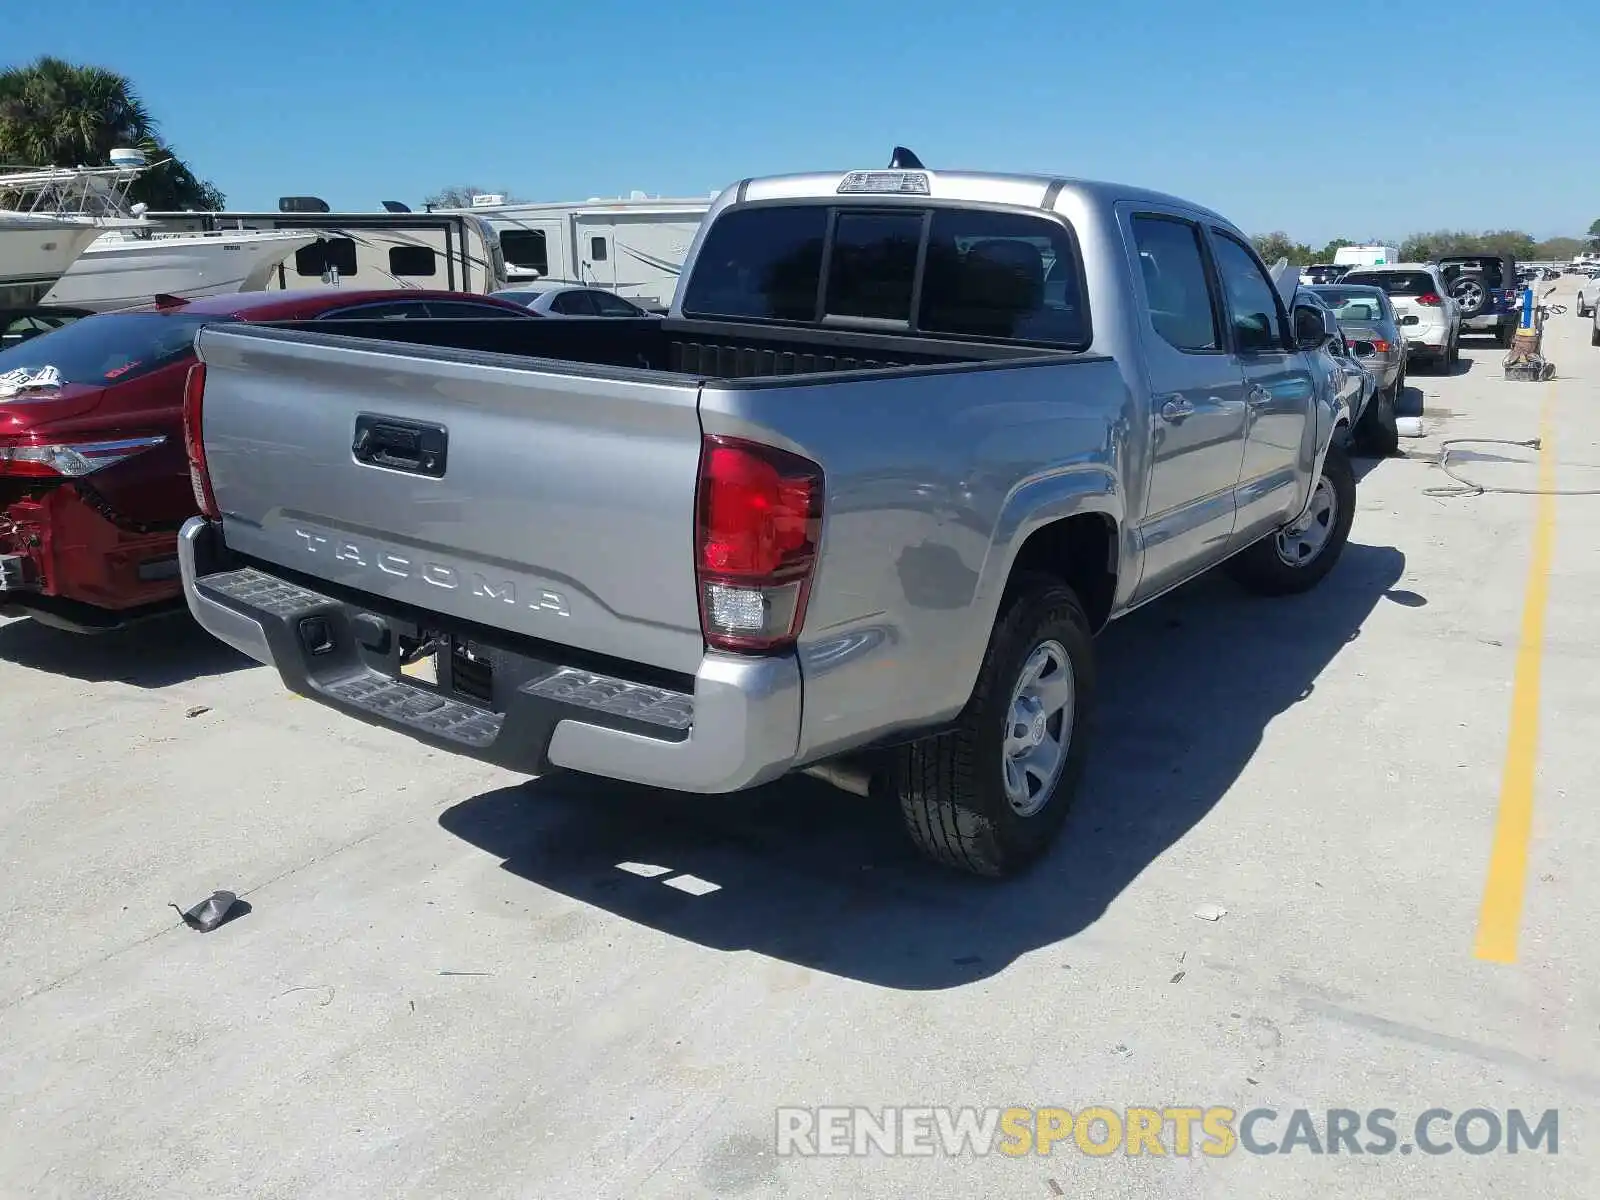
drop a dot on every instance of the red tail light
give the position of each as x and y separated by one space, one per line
69 460
1431 300
1379 346
194 392
758 527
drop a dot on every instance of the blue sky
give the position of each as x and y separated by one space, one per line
1352 118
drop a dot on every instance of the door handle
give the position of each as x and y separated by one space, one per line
416 447
1176 409
1260 397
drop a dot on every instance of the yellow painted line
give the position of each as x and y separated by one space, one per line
1500 917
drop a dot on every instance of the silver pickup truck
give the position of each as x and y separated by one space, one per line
857 505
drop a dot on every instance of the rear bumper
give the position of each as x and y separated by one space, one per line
1488 321
734 724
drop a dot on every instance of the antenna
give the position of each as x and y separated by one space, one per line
903 160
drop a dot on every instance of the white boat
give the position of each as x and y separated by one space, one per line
129 267
35 251
105 254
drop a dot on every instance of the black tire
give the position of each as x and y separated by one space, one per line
1377 434
1504 335
952 788
1594 336
1261 569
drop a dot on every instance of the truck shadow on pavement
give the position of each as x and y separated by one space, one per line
801 872
154 654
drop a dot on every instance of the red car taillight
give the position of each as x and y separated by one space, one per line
757 531
194 391
1431 300
69 460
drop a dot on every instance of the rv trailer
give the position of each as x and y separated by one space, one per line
397 248
634 246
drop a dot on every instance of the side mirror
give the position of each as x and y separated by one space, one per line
1314 327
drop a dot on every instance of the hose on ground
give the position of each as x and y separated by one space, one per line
1469 488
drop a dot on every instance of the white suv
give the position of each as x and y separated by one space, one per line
1429 319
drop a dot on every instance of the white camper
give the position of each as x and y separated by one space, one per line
1365 256
396 249
634 247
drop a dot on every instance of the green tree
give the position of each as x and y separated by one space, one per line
1325 255
1594 237
1276 245
460 196
58 114
1558 249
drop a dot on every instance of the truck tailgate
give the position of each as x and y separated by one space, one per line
516 494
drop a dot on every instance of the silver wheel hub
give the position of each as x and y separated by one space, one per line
1300 544
1038 731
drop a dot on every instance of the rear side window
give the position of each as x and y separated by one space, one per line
983 274
1395 283
1177 289
110 347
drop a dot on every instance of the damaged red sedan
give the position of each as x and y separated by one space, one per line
94 478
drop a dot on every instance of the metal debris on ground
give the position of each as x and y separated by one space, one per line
210 912
1211 912
199 710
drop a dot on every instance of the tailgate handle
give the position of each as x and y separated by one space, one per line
412 446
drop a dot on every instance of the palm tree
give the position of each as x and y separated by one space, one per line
57 114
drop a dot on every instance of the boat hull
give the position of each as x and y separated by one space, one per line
35 252
119 272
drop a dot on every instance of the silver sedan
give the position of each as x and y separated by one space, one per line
572 300
1369 324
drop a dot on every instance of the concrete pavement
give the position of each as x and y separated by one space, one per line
455 983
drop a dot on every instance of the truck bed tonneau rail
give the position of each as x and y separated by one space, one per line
697 348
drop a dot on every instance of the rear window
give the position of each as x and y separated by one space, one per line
953 272
109 347
1395 283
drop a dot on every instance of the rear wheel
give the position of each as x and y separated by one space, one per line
1377 434
989 796
1594 335
1297 557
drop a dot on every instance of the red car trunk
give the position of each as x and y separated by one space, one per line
94 478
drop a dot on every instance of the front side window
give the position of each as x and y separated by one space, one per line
1251 298
573 304
614 306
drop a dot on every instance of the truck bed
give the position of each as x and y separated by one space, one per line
698 349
